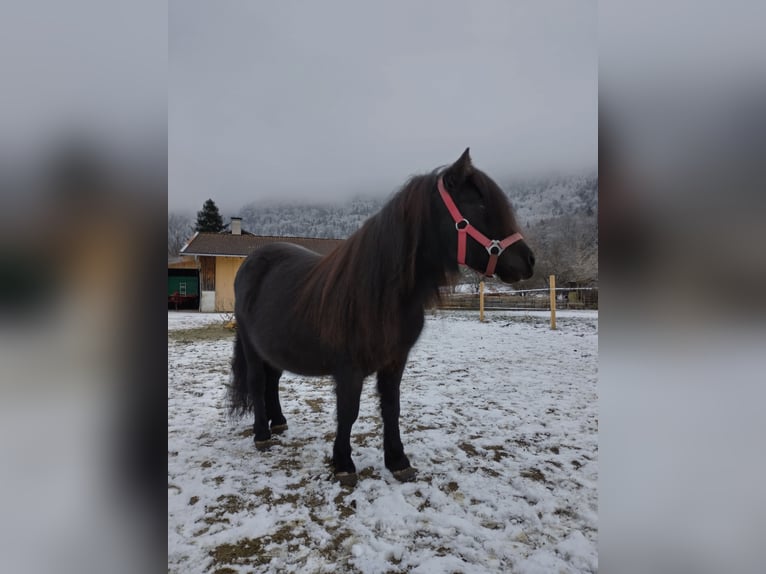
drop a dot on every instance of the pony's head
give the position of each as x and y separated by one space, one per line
477 225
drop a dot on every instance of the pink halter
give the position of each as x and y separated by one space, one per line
493 246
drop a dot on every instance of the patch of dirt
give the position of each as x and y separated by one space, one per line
426 503
523 443
264 493
421 427
290 535
533 474
344 509
368 473
365 438
290 498
230 503
468 448
317 405
226 504
499 453
335 551
452 486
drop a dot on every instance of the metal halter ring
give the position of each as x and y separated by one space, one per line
495 244
457 224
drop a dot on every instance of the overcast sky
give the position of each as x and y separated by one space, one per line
324 100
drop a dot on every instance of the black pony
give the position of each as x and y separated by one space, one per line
359 310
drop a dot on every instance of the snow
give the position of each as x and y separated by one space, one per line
500 419
490 286
192 319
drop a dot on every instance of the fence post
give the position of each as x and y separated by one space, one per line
481 301
553 301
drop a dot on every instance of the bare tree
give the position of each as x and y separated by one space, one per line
471 278
565 246
180 229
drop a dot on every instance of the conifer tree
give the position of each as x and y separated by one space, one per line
209 219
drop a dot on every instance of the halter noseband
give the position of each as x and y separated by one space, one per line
493 246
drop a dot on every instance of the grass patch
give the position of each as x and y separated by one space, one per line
245 551
255 551
567 512
499 453
214 332
317 404
533 474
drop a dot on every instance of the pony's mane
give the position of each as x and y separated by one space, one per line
496 202
353 295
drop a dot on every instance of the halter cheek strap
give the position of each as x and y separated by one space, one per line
464 229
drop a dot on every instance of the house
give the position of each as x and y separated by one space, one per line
217 257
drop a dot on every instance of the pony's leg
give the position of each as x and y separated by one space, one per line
348 389
256 387
273 408
388 388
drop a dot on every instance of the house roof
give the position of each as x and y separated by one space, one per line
226 244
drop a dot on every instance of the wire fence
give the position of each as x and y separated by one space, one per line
566 298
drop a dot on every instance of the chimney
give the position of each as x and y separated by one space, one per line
236 226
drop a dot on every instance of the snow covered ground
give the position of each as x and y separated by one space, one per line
500 418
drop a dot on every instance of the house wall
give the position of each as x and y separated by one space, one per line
184 262
207 301
225 272
207 273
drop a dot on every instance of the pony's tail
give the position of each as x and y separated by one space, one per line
239 398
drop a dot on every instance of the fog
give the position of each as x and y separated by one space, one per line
323 101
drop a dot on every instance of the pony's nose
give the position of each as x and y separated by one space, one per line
531 260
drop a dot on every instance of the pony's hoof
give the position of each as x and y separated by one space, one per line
346 478
263 445
405 475
278 429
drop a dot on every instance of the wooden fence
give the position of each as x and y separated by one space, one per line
566 298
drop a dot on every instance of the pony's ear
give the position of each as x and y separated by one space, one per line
459 171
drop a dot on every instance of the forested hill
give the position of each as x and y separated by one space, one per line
535 200
329 220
